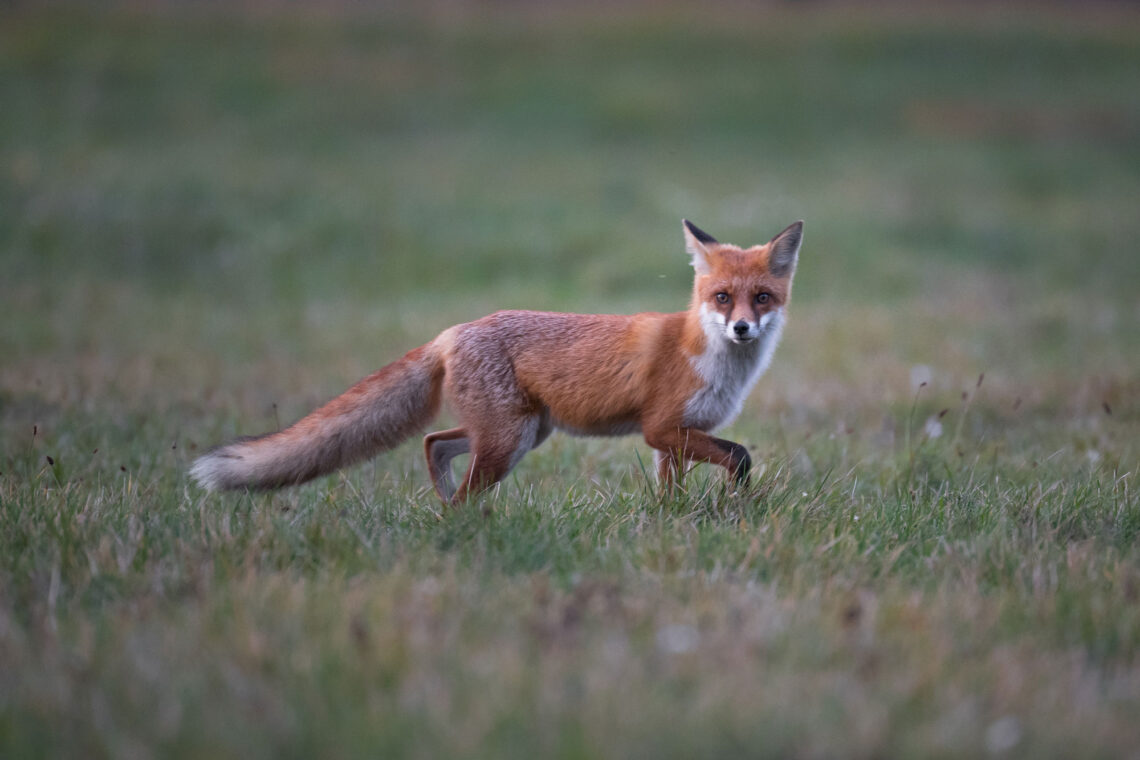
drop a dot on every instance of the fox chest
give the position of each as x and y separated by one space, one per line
726 375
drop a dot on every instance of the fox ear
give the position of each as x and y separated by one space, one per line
696 243
784 249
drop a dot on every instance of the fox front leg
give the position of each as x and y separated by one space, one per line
689 445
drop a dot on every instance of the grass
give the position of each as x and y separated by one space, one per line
212 220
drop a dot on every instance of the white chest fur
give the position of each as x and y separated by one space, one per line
729 370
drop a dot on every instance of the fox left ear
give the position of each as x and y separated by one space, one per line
696 243
784 249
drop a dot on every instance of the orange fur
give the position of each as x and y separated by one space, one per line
513 376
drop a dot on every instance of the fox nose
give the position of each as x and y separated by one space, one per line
740 328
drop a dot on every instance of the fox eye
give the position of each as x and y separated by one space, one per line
763 298
722 297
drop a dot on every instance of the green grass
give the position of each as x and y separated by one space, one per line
211 221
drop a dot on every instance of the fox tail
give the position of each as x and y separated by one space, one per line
372 416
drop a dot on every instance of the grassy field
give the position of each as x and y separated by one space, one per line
211 221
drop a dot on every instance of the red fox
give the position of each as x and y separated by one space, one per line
514 376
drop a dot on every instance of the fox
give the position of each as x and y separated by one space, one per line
513 377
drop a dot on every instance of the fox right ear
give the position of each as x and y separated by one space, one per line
696 243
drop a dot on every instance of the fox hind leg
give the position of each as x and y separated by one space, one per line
496 453
439 449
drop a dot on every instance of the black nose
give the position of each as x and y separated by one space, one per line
741 327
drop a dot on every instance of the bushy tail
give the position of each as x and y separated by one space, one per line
372 416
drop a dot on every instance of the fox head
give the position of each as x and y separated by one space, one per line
740 293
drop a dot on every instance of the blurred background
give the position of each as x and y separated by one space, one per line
228 206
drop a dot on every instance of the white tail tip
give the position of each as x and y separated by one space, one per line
212 471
